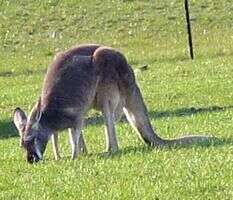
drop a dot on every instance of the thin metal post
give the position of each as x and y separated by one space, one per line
189 29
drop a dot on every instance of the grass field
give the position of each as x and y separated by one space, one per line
182 96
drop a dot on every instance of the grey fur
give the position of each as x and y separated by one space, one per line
99 78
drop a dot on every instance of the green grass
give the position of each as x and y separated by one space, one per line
182 96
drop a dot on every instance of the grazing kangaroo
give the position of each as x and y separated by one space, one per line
99 77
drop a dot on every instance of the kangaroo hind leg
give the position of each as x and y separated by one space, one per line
111 140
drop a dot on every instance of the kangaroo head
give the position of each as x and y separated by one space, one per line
33 136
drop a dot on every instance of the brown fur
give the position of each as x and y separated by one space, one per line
76 83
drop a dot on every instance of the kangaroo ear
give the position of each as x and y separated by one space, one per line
36 113
20 121
38 110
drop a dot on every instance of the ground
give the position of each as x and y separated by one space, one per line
182 96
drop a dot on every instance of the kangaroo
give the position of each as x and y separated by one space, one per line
74 84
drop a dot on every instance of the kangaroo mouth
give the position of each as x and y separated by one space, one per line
33 158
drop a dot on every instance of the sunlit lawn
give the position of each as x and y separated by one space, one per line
182 96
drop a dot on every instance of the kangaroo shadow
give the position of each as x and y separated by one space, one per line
143 149
180 112
183 112
6 74
7 130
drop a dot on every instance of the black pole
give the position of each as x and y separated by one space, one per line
189 29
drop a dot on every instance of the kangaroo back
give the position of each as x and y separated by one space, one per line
112 66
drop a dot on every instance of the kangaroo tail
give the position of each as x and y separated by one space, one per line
185 140
137 114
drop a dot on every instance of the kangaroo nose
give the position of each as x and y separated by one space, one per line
33 158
